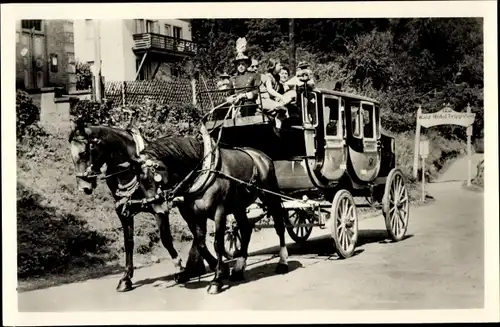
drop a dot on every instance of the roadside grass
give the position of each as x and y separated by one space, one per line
66 236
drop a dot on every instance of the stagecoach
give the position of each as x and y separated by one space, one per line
329 151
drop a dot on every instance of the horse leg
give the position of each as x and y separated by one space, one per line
215 286
199 247
166 239
278 213
125 283
246 231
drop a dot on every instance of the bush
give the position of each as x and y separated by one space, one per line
27 115
152 119
83 76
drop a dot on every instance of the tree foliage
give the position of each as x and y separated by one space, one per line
404 63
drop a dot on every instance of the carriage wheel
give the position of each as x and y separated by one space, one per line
232 239
299 234
396 205
343 223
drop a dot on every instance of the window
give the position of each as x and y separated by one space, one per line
368 121
139 26
177 32
331 110
355 120
168 30
29 24
152 26
54 63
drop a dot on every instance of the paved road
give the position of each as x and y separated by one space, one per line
439 266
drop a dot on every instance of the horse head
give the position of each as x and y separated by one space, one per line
92 147
82 145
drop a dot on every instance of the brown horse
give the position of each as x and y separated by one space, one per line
91 148
243 176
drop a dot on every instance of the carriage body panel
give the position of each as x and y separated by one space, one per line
333 136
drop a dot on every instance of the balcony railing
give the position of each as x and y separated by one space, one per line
152 41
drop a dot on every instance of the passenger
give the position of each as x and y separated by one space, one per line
284 75
304 73
272 101
244 86
223 83
254 66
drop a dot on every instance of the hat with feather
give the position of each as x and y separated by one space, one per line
241 47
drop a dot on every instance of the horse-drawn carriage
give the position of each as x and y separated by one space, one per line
303 172
329 150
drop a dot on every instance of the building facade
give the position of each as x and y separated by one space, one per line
133 49
45 54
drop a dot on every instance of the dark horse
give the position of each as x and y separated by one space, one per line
175 158
94 146
243 176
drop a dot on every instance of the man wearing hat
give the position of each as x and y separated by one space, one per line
303 74
244 79
223 83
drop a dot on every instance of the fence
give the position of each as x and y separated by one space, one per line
174 92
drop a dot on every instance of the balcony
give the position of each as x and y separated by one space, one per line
163 44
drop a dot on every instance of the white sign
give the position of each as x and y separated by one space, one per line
24 52
446 116
424 148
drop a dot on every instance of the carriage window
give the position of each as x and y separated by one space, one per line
331 111
310 108
368 125
355 120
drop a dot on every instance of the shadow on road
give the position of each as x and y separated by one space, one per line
324 245
251 275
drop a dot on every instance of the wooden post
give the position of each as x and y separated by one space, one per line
417 144
423 179
469 150
291 37
123 92
97 62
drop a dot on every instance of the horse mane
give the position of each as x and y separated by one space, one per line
182 152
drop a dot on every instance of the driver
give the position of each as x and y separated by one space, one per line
247 98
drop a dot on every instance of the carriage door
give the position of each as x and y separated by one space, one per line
335 153
371 136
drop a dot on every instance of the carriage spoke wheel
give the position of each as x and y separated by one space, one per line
396 205
232 239
299 234
343 224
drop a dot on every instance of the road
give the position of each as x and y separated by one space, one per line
439 266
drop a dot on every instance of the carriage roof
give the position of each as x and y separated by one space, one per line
346 95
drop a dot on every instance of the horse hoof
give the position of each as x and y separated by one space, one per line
181 278
281 268
237 276
214 288
124 285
